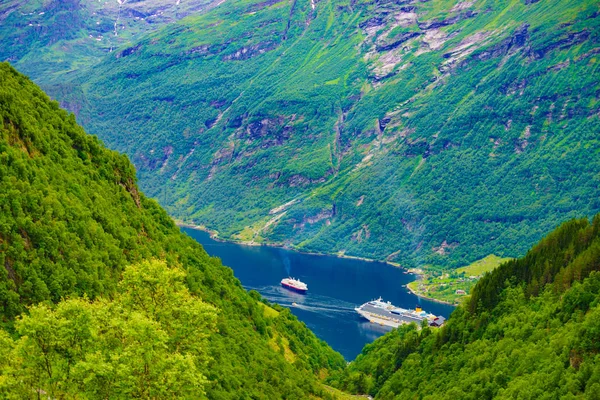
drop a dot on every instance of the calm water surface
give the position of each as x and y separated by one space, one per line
335 287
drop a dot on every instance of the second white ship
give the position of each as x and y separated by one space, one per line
385 313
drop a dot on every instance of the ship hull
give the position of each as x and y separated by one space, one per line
379 320
294 289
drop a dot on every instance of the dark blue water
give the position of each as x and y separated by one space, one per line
335 287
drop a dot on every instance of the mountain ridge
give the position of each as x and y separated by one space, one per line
413 132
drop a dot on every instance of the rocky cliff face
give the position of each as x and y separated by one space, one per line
418 122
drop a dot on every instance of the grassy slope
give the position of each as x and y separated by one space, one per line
72 218
443 286
480 267
488 123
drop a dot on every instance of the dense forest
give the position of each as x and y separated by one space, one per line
531 330
101 296
422 132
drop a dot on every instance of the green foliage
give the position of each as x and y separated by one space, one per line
51 38
149 341
566 255
75 231
437 135
524 346
440 284
480 267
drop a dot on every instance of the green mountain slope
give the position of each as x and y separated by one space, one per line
72 223
539 338
48 39
418 132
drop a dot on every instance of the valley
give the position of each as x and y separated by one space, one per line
413 132
164 164
335 287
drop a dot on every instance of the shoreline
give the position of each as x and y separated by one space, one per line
215 236
409 271
429 298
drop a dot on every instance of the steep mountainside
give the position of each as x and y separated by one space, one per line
414 131
49 38
530 331
72 221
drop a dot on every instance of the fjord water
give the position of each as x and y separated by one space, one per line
335 287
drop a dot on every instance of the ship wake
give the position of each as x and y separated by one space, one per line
324 305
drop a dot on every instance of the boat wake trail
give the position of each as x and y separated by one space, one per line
323 305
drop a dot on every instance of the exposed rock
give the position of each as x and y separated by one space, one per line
131 188
152 161
435 38
133 13
201 50
569 40
320 216
385 64
324 214
443 248
237 121
509 45
520 145
247 52
362 234
283 207
559 66
360 201
219 103
374 22
467 46
588 54
183 160
463 5
435 24
269 131
514 87
209 123
128 51
224 154
275 175
383 122
522 142
406 17
300 180
397 41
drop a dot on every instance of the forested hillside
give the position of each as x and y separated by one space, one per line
101 296
530 331
422 132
